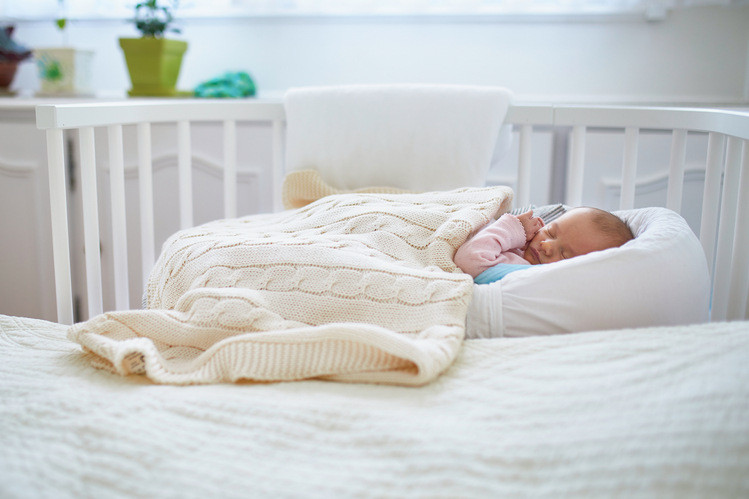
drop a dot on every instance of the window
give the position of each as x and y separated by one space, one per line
104 9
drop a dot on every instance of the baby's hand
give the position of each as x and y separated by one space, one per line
531 224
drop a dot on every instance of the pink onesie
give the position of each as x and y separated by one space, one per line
499 242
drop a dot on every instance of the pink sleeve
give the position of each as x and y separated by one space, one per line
484 250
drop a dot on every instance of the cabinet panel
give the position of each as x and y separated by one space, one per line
26 281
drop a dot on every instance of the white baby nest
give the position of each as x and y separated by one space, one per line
660 278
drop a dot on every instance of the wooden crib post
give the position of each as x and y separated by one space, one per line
184 166
574 194
725 230
629 168
230 169
524 167
92 242
676 170
59 214
145 188
739 281
278 167
711 196
119 225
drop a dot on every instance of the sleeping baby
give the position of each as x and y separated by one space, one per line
513 242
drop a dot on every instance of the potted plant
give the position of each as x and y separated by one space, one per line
64 70
153 61
11 54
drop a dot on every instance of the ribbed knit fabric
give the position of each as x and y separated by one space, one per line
353 287
303 187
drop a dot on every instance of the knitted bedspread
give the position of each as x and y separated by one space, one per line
353 287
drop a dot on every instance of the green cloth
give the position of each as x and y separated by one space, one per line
232 85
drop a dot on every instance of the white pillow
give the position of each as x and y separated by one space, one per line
413 137
658 278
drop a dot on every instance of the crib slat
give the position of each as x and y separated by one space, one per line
727 223
574 194
278 169
711 195
230 169
119 226
59 219
90 222
739 281
629 168
524 167
676 170
184 167
145 190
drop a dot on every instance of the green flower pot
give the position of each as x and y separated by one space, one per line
153 64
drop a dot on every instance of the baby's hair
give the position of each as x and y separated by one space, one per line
611 226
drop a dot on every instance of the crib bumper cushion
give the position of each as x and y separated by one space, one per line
659 278
412 137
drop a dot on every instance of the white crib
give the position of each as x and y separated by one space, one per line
722 233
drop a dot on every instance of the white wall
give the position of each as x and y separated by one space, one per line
696 55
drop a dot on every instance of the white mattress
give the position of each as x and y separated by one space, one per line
649 412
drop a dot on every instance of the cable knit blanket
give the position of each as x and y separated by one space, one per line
353 287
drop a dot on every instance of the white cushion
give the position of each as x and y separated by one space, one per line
413 137
658 278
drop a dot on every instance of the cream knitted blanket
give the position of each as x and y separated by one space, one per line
353 287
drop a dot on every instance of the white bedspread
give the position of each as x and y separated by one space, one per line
650 412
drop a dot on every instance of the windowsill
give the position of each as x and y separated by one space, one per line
27 100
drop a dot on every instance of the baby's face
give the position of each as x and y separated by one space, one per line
573 234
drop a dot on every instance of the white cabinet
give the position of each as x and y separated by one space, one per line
26 281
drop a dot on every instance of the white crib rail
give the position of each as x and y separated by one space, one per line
730 278
84 117
723 235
